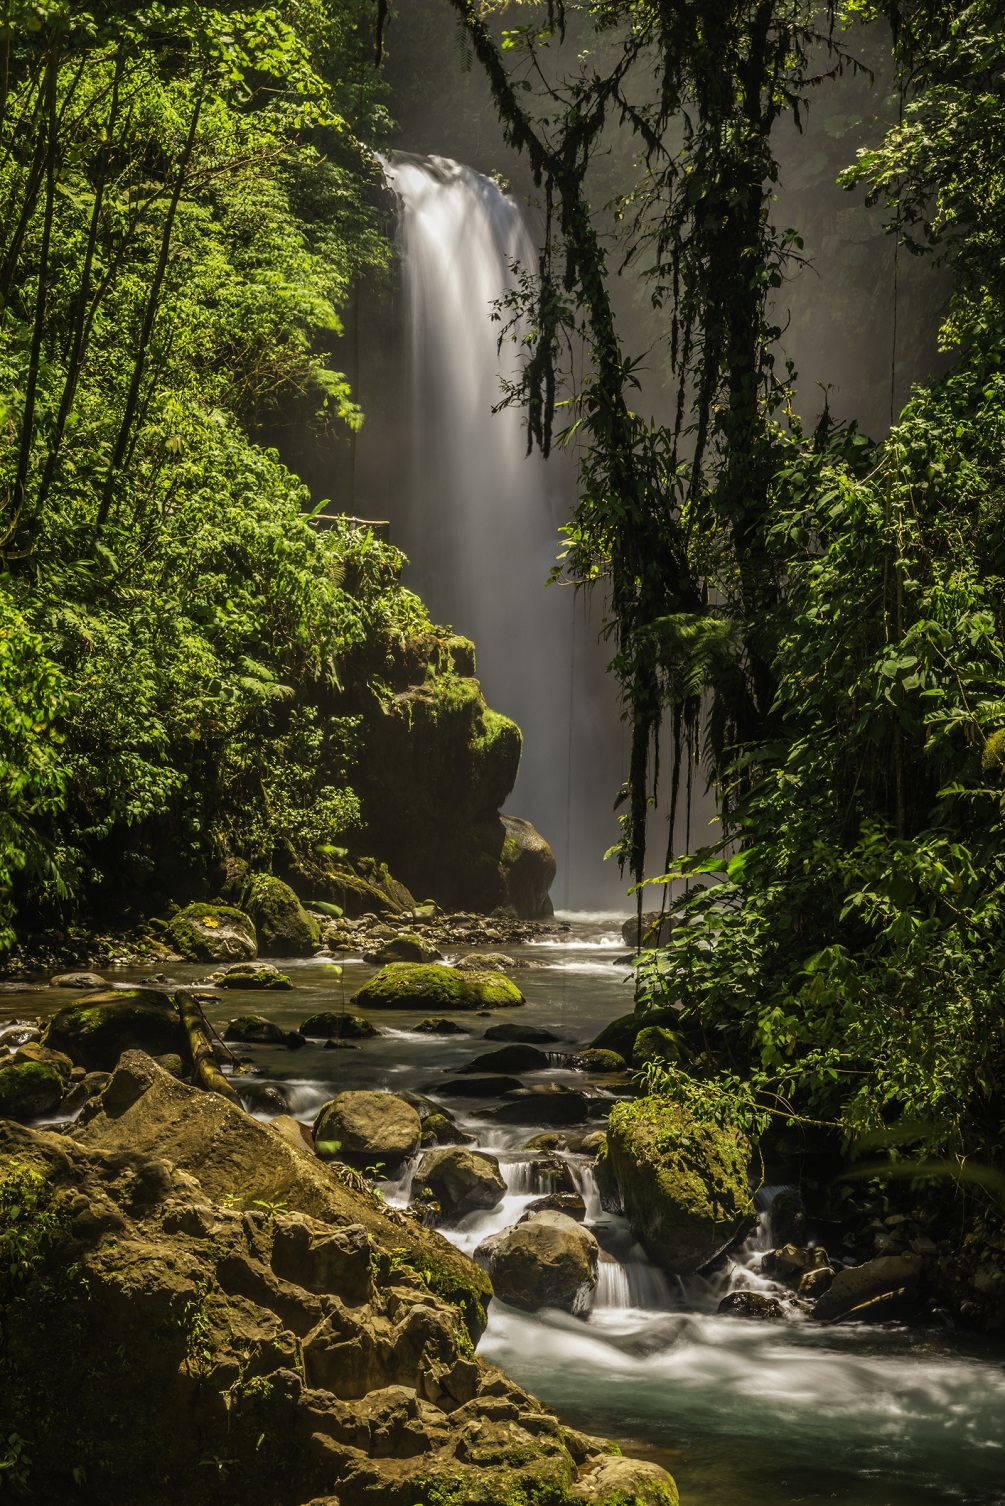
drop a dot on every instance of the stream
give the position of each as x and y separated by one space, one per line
741 1412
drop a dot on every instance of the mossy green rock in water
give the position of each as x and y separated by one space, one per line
407 985
213 933
655 1043
682 1180
332 1024
95 1032
28 1089
283 926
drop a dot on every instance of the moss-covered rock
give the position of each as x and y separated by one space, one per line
94 1032
283 926
366 1129
213 933
593 1059
337 1025
29 1089
247 975
682 1180
405 949
255 1030
656 1043
406 985
528 869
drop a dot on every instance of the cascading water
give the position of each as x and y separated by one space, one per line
478 516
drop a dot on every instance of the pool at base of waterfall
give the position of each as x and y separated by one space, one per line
742 1413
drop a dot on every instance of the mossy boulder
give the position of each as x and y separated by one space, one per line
439 1025
333 1024
405 949
621 1034
593 1059
549 1260
255 1030
407 985
29 1089
252 975
95 1031
655 1043
682 1180
213 933
283 926
528 869
514 1058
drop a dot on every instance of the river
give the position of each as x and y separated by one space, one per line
741 1412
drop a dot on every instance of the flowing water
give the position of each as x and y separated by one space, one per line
478 517
742 1413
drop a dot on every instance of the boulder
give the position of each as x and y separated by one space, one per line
33 1051
404 949
570 1203
548 1261
530 1035
143 1111
252 975
333 1024
94 1032
368 1129
255 1030
283 926
556 1106
212 933
18 1033
477 1087
439 1025
461 1182
655 1043
410 985
78 980
656 928
682 1181
757 1305
214 1324
492 962
879 1289
527 867
593 1059
29 1089
508 1059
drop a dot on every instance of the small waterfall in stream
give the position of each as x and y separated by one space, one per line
478 517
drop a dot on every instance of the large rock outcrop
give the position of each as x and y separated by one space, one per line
682 1181
95 1031
161 1343
282 924
438 766
213 933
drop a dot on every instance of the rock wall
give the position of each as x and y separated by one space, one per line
195 1309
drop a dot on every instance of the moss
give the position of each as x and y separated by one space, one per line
682 1179
470 1292
338 1025
254 978
29 1089
655 1043
409 985
94 1033
283 926
213 933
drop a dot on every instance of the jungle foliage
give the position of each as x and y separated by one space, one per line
813 616
184 203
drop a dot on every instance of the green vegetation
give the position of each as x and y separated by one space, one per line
184 661
817 617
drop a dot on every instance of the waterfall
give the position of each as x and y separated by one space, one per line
478 516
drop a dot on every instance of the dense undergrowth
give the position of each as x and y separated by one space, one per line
185 203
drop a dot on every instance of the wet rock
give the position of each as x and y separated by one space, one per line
338 1025
787 1218
788 1263
655 929
526 1034
588 1144
252 975
593 1059
78 980
758 1305
438 1124
683 1181
547 1140
283 926
879 1289
407 985
367 1129
493 962
815 1282
94 1032
264 1097
33 1051
461 1181
254 1030
29 1089
19 1033
527 868
438 1025
477 1087
569 1203
213 933
556 1107
508 1059
404 949
549 1261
